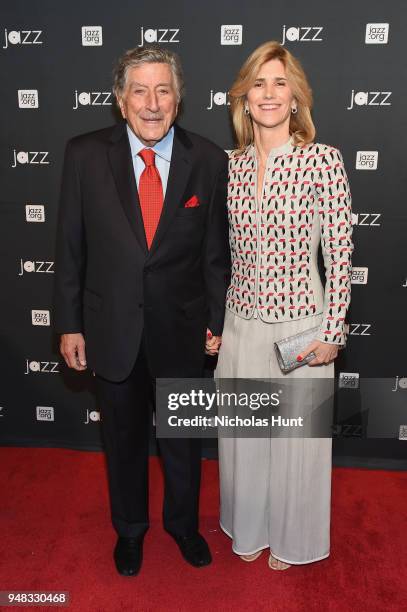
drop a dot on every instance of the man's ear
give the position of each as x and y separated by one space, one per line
121 106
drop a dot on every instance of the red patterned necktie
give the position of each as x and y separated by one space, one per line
150 191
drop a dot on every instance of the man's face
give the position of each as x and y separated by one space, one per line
149 102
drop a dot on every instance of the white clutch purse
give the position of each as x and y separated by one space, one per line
289 348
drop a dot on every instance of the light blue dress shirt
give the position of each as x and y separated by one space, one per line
163 151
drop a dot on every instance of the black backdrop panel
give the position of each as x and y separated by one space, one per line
56 62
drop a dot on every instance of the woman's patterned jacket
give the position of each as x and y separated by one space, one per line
306 201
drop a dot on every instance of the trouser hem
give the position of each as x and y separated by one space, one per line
278 557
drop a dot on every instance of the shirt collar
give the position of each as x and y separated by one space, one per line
163 148
287 147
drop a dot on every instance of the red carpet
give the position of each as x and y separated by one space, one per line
56 535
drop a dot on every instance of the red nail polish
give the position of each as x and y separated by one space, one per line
299 358
209 334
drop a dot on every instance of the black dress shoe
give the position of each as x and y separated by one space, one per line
194 549
128 556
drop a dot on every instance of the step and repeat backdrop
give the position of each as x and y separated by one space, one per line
56 64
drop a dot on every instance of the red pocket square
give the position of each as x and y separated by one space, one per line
192 202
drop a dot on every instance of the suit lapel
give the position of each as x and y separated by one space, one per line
180 169
123 172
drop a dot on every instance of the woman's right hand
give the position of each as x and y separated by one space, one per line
212 344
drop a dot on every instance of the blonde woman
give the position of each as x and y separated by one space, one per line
286 196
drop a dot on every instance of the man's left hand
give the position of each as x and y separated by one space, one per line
324 353
212 344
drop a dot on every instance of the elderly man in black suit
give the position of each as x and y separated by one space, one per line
143 266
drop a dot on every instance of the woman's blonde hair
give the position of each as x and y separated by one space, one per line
302 127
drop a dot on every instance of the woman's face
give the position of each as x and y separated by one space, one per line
270 100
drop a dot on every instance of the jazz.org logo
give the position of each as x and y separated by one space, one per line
359 276
28 98
369 98
46 267
377 33
348 380
302 34
92 416
22 37
218 98
405 283
403 432
358 329
40 317
347 430
45 413
366 219
45 367
30 157
92 36
231 34
92 98
366 160
158 35
35 213
400 384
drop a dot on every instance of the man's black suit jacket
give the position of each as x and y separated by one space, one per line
110 287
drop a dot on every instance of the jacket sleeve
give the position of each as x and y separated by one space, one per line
217 265
335 216
70 251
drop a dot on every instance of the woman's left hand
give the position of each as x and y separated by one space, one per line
324 353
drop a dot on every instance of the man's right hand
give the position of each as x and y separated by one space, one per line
72 349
